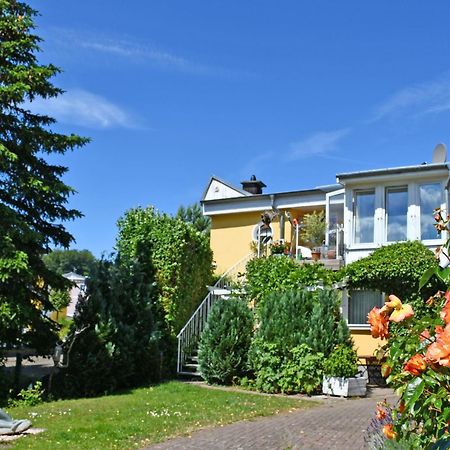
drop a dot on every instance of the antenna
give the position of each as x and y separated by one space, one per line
439 154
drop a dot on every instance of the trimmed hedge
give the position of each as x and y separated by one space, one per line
396 269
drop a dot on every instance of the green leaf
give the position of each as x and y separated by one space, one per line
426 276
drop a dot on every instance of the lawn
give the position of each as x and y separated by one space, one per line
142 416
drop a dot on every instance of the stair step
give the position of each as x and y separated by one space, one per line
191 365
190 374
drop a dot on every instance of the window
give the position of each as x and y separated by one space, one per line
360 303
396 213
364 211
430 199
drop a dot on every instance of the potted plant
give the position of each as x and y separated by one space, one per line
313 231
340 374
280 248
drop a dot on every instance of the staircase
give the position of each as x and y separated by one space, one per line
189 336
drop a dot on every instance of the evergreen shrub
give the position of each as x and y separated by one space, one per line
124 343
303 317
225 342
297 331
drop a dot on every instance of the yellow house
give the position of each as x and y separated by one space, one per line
363 211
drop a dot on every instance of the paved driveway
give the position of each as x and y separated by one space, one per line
335 424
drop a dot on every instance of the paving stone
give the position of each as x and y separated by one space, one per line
335 424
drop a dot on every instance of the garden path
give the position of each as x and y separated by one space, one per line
336 423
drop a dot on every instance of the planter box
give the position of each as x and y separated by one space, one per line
345 387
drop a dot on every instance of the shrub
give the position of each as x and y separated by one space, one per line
396 268
302 371
296 331
342 362
297 371
180 255
31 396
124 342
225 341
275 274
303 317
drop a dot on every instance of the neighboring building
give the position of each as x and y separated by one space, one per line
364 210
78 287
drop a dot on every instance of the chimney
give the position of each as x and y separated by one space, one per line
253 186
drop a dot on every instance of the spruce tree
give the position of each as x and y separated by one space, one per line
33 197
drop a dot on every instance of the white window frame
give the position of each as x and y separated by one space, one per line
346 306
413 219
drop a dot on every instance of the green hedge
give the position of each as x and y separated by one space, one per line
396 269
180 254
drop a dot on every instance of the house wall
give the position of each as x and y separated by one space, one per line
364 343
231 236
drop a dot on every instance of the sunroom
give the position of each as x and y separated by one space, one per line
386 206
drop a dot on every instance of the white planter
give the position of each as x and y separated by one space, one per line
345 387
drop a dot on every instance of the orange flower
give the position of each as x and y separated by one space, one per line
381 413
445 313
399 310
379 323
401 407
425 336
388 431
415 365
439 351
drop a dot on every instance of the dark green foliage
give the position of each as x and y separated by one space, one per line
81 262
180 254
327 327
193 214
303 317
225 341
33 197
396 269
297 371
124 344
297 330
279 274
342 362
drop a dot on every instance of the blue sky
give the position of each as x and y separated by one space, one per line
172 92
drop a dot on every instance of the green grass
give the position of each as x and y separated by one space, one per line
142 416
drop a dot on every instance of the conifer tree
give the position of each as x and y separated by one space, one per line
33 197
225 341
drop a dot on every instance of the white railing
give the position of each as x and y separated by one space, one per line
189 335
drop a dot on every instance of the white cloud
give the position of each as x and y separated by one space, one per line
318 144
142 52
80 107
425 98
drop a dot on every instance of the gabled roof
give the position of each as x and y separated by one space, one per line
74 276
229 191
